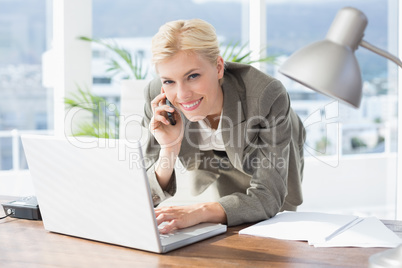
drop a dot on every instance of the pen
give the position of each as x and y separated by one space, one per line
343 228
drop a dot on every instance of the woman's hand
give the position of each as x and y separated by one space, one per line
179 217
168 136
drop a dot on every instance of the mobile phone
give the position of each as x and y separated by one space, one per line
171 119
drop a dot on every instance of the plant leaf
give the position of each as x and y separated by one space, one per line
133 70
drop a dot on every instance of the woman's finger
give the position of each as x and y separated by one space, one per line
161 118
163 108
162 217
160 113
169 227
169 209
158 101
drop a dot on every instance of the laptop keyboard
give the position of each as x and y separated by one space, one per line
164 236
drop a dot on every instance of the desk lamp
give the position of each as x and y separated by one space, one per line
331 68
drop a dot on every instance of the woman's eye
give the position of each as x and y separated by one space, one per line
167 82
192 76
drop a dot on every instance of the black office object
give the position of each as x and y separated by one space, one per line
24 208
171 119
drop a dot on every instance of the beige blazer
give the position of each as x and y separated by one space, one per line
261 171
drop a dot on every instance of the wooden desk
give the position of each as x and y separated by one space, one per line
25 243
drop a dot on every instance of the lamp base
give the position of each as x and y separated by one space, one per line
389 258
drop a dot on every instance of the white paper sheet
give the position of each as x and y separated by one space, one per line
370 232
326 230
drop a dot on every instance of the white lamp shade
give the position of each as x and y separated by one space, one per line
329 68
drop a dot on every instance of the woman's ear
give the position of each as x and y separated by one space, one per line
220 64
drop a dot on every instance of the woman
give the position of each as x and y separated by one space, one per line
234 127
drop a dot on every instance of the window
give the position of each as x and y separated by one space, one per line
25 105
349 151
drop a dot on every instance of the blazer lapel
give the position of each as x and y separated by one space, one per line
233 123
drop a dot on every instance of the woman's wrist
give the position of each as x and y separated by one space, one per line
213 212
170 150
165 165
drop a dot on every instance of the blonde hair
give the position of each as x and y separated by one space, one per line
194 36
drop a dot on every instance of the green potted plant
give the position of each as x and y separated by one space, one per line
234 52
132 77
131 74
96 106
124 64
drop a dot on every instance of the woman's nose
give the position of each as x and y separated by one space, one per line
183 93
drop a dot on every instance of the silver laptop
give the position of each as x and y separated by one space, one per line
98 189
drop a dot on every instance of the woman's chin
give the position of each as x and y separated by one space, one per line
193 117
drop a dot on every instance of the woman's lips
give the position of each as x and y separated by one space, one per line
190 106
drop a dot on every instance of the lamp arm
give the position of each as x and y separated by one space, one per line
381 52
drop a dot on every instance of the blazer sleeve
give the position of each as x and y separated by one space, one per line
266 157
152 149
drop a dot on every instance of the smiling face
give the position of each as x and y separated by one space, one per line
191 83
